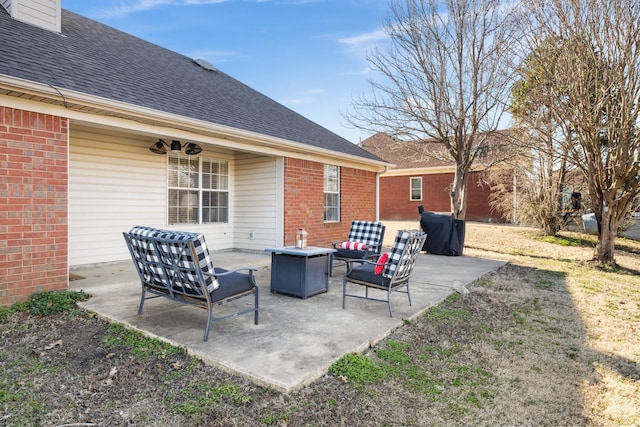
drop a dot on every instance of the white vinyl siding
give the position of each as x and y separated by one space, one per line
113 185
258 201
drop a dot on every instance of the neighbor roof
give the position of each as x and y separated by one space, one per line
429 153
407 154
95 59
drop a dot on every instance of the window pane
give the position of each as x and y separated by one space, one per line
172 171
331 179
331 193
416 189
215 175
206 174
187 173
331 208
223 182
183 207
190 180
173 207
330 214
215 207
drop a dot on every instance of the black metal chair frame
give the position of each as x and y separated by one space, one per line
176 268
396 271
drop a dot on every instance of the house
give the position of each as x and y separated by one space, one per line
422 175
100 131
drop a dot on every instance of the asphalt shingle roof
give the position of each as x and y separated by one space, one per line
407 154
429 153
99 60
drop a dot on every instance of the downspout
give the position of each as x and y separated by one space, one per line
515 198
386 168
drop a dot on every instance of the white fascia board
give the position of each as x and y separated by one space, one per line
420 171
432 170
232 137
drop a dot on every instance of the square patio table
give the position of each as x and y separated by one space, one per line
300 272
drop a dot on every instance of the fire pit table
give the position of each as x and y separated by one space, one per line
300 272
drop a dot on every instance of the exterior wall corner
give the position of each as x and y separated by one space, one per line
33 204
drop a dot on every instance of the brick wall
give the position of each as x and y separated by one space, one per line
304 201
33 204
395 203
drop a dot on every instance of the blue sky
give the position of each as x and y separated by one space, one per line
309 55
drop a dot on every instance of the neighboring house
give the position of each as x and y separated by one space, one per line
81 104
422 175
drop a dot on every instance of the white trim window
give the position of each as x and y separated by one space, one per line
415 189
198 190
331 193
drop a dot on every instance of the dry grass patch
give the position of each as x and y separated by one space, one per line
604 311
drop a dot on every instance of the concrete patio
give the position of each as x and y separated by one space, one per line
297 339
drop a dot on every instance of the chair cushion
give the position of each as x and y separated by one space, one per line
172 243
349 254
369 232
354 246
230 284
382 260
396 252
365 273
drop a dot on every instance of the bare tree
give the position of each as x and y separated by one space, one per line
597 82
541 162
444 78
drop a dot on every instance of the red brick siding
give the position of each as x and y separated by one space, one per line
304 201
395 203
33 204
478 205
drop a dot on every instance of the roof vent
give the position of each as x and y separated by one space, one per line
205 64
43 14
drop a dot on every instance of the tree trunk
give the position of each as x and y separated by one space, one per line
607 230
551 226
459 193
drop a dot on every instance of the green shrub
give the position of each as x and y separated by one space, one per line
51 302
138 344
4 313
357 368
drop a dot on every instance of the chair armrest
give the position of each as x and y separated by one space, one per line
235 270
372 254
359 261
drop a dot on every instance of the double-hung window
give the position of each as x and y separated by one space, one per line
198 190
331 193
416 188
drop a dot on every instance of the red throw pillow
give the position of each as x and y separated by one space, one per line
354 246
379 268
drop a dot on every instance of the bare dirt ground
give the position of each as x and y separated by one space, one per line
549 339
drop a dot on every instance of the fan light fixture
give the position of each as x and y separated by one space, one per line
161 146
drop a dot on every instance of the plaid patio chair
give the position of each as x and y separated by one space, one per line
177 265
390 273
364 242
